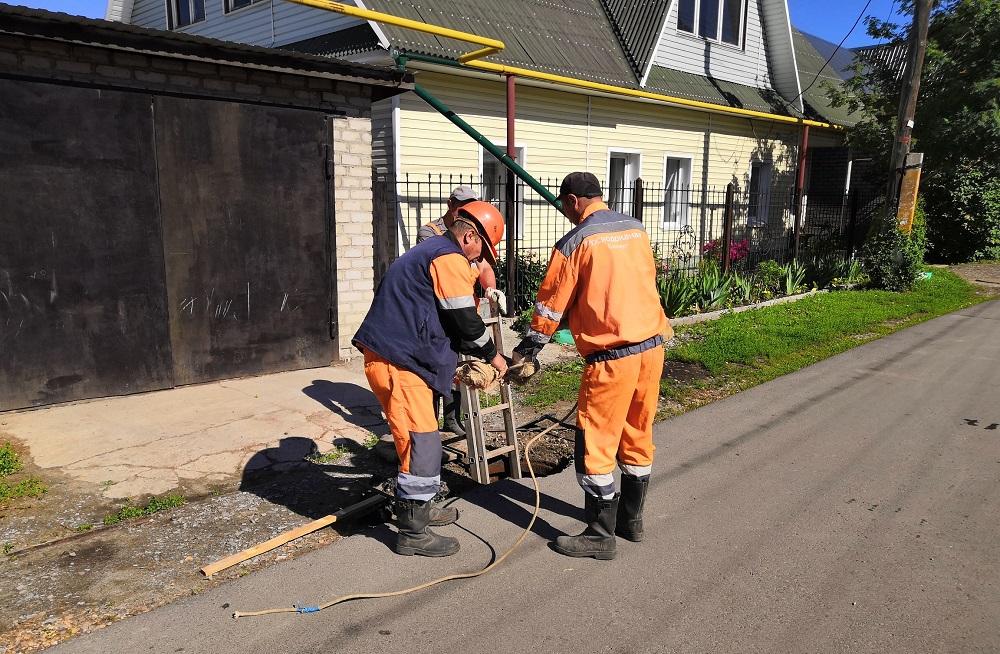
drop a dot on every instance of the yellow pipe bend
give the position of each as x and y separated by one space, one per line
490 46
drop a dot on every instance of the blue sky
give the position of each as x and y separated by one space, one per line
825 19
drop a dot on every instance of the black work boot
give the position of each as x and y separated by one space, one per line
633 496
598 539
453 414
412 518
442 515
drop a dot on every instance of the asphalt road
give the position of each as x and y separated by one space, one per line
853 506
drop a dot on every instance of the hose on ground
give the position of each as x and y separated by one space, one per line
441 580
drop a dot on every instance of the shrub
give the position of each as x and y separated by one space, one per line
711 288
794 278
889 259
770 275
738 250
918 236
529 271
677 293
10 462
963 215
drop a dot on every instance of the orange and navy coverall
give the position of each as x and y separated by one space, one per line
602 276
423 315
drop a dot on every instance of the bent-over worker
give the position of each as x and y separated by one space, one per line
424 315
460 196
602 275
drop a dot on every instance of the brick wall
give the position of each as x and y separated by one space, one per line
350 103
352 157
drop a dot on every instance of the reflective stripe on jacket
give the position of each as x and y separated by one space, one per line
602 275
424 314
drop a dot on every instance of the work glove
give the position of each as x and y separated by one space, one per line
521 369
498 296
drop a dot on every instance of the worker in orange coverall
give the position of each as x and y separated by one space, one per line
602 276
424 315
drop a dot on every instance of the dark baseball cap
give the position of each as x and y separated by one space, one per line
581 184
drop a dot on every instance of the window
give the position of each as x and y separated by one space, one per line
495 184
677 190
233 5
623 170
759 192
185 12
717 20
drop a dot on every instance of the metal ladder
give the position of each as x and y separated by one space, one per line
478 455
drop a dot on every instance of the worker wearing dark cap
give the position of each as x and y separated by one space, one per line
424 315
603 277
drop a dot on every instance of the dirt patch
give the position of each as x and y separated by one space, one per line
984 273
682 371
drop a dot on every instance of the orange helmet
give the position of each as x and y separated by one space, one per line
490 223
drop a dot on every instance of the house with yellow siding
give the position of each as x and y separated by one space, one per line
743 83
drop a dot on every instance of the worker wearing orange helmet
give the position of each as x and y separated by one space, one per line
487 280
423 316
603 277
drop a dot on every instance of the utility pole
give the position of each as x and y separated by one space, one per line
908 99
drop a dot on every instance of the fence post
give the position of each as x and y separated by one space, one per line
727 225
852 224
800 217
637 199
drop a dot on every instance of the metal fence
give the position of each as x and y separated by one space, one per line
686 225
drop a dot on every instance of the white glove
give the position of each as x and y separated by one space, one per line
497 296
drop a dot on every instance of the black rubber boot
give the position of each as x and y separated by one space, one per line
453 414
442 515
633 497
412 518
598 539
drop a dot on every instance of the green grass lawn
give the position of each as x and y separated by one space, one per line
742 350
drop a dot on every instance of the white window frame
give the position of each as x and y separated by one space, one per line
763 198
521 157
227 6
626 201
684 216
171 8
695 33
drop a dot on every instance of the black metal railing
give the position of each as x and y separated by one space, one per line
686 225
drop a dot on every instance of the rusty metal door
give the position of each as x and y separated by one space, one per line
246 206
82 308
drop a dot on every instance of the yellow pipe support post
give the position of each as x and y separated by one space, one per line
490 46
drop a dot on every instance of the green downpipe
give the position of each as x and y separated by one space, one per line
488 145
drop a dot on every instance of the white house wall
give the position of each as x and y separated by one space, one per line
251 25
692 54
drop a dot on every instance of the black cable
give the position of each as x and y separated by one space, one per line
835 51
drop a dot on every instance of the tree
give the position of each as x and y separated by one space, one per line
957 124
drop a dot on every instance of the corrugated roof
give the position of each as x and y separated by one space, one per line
101 32
567 37
637 24
706 89
352 41
811 64
889 56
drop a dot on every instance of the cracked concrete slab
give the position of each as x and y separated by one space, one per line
156 442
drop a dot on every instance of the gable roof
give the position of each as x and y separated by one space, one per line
609 41
812 67
637 24
568 37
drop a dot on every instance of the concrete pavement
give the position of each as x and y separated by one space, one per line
853 506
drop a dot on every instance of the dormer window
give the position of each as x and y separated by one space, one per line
715 20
